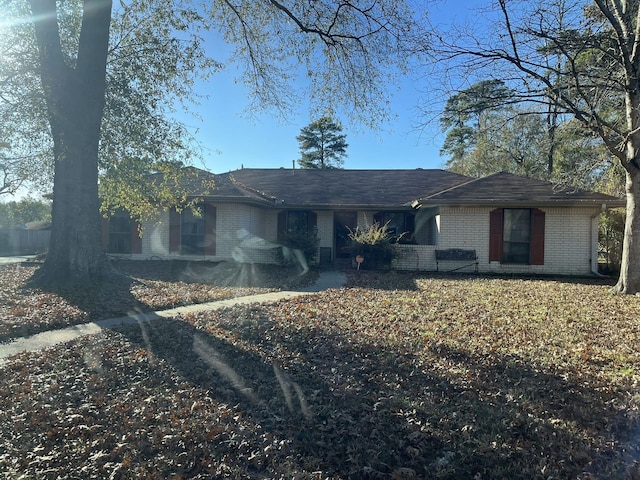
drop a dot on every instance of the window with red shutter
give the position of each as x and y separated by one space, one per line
120 234
516 235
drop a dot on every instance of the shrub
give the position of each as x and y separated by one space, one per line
306 242
374 243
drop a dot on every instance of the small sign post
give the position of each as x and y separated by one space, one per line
359 260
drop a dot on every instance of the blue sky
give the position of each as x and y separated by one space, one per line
232 140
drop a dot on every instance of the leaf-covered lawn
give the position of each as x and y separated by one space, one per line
396 376
145 286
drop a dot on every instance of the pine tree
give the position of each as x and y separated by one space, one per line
322 145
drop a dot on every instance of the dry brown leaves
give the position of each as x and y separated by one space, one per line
146 286
397 376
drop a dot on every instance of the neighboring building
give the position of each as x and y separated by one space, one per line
513 224
29 239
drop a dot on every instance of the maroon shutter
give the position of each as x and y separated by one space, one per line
210 229
378 218
312 222
174 231
282 225
136 241
495 234
537 237
105 233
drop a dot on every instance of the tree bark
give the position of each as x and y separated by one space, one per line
629 280
75 97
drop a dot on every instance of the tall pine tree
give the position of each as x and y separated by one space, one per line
322 144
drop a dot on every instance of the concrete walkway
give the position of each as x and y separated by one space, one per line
327 279
16 259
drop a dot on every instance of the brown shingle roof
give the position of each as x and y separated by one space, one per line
505 188
342 188
337 188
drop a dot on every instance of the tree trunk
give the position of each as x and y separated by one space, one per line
629 281
75 99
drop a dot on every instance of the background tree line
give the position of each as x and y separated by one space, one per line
488 130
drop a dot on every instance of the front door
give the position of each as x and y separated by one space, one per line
343 223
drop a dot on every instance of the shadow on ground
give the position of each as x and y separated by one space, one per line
348 409
223 274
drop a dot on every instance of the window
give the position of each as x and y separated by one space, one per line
400 225
120 234
193 232
296 222
516 235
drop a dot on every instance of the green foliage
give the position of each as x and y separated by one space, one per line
24 211
487 132
465 107
156 55
306 242
374 243
322 145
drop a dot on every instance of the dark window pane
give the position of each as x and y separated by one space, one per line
119 233
297 222
192 232
516 235
400 225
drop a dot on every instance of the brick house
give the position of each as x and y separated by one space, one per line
511 224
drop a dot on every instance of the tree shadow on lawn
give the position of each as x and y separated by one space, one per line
40 308
223 274
34 308
353 409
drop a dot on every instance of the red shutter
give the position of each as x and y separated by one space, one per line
282 225
495 234
210 229
136 241
105 233
174 231
537 237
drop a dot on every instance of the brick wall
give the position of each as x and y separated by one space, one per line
570 238
230 219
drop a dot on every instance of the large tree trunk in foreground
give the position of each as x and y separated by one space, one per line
629 281
75 97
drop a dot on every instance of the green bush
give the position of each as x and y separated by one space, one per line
375 244
306 242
